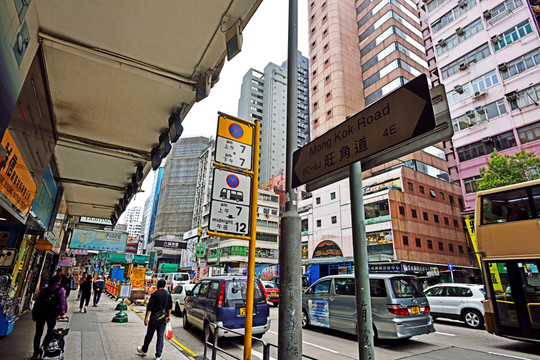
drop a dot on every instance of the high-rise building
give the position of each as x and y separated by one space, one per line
177 195
359 52
150 208
487 54
263 96
132 218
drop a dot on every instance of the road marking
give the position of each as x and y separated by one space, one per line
445 334
510 356
308 343
254 352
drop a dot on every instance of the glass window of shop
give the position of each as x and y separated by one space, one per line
376 210
380 242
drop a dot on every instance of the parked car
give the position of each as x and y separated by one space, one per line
398 306
463 302
271 291
222 300
178 295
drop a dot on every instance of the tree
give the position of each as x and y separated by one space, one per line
509 169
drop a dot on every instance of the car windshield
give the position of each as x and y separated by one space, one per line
181 277
270 285
406 287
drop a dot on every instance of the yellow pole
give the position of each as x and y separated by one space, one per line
251 257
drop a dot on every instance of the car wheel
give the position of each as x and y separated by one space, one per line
177 310
208 334
473 318
187 324
305 319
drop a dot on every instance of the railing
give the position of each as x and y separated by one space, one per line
215 348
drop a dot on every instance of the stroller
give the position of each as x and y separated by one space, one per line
55 348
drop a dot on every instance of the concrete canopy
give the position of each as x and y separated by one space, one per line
115 70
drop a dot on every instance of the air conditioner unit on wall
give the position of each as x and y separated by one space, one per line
495 39
480 93
463 66
503 67
461 3
480 110
470 114
487 14
511 96
458 89
442 42
459 31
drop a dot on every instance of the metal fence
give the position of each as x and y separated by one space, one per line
216 349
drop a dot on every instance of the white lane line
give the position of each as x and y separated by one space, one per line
254 352
322 348
510 356
445 334
317 346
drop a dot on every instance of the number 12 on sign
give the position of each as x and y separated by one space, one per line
229 218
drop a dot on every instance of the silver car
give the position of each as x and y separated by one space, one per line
463 302
399 308
178 294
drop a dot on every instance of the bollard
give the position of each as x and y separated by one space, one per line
120 317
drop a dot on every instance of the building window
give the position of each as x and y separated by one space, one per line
530 132
405 240
410 186
413 212
421 189
456 223
471 184
526 98
430 244
401 210
451 247
318 200
460 249
441 246
446 222
511 35
334 219
332 196
442 195
460 201
521 64
319 223
426 217
451 199
463 62
436 218
378 211
418 242
455 39
452 15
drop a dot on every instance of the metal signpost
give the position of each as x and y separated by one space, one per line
400 123
234 189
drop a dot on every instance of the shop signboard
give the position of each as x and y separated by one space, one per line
44 202
98 240
16 182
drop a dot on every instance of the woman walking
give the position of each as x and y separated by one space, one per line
86 292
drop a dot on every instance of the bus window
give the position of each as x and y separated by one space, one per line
531 287
506 206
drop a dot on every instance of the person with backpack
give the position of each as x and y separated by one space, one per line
158 314
50 305
99 285
86 293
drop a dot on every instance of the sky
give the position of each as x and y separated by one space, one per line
265 39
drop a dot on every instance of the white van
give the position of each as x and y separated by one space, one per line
175 279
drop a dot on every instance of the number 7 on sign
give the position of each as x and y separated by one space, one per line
239 210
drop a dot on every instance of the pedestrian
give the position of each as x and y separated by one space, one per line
50 305
64 282
99 285
71 280
86 292
425 285
158 314
81 280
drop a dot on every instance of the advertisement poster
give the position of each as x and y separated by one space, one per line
99 240
319 313
137 277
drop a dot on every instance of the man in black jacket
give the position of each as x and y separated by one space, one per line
159 306
99 285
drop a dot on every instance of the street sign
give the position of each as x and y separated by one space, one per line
231 187
229 218
404 114
234 143
451 267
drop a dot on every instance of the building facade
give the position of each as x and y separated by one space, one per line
133 219
487 54
263 96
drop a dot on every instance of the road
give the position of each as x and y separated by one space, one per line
327 344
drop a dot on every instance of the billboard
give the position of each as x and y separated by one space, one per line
98 240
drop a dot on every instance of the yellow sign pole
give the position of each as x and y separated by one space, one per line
252 243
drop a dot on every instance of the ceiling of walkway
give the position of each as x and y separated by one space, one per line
115 70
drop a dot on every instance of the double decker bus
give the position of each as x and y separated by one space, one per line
507 224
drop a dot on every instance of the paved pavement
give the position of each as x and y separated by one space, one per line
92 336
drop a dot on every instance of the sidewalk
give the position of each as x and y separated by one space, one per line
92 336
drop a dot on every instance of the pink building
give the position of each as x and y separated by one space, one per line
487 54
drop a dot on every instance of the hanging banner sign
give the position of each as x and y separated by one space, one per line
98 240
16 182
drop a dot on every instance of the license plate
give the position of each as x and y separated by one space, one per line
415 310
242 311
273 294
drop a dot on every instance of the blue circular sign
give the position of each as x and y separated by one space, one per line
236 131
233 181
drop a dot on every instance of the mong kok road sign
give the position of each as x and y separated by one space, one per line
402 115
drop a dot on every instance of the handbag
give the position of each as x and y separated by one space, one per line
168 331
159 317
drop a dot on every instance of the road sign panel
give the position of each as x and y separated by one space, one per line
233 153
402 115
235 130
231 187
229 218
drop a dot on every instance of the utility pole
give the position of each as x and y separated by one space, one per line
290 261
